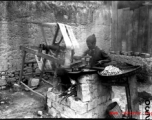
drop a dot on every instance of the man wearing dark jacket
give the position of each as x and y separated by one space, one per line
98 57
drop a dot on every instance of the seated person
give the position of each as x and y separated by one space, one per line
98 57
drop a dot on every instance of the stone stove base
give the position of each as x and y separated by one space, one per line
94 99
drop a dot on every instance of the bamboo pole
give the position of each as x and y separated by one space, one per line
32 90
47 82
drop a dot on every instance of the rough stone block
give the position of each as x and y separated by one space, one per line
35 64
78 116
49 103
96 110
2 82
86 96
3 77
150 79
3 73
88 114
64 102
79 92
103 99
76 105
64 116
99 101
58 106
51 96
95 85
91 88
101 110
93 96
95 115
68 112
92 104
85 87
95 93
37 71
53 112
58 115
88 79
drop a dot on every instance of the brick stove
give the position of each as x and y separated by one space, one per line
94 99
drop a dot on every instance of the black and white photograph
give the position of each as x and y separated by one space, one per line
76 59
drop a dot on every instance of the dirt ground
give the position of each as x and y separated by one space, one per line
25 104
22 104
120 98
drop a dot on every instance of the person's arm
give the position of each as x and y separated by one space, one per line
80 57
106 57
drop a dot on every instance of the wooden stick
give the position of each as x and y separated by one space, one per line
43 34
56 33
47 82
49 57
42 69
22 66
32 90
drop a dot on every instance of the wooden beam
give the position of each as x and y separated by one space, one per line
43 34
47 82
22 66
42 70
58 60
56 33
44 24
32 90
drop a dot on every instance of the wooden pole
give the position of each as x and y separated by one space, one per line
22 67
47 82
42 70
32 90
57 30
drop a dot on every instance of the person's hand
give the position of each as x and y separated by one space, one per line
42 46
100 62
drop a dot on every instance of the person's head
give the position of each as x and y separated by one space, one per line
91 41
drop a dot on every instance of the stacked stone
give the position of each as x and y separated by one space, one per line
30 70
13 76
3 80
94 99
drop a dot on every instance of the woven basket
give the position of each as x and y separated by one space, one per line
114 110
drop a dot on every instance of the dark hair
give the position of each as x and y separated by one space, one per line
91 38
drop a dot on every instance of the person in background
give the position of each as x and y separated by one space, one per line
97 56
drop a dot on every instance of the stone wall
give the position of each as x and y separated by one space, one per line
94 99
84 19
30 70
100 26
